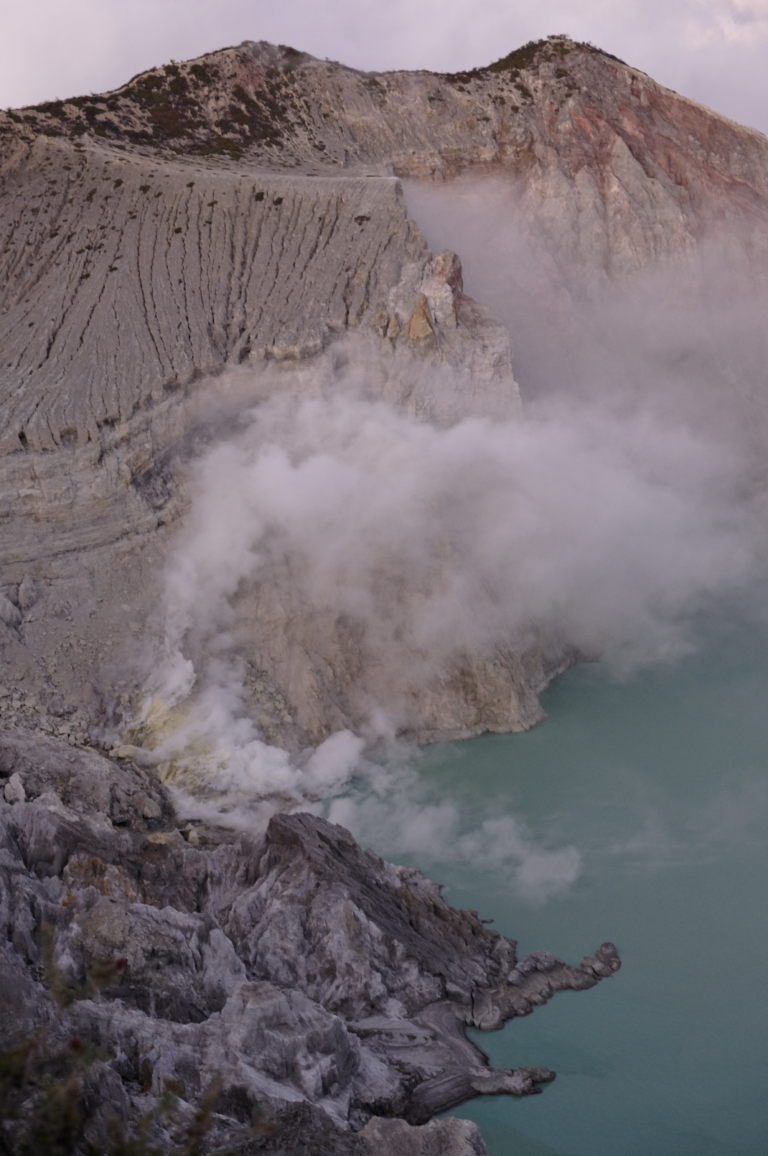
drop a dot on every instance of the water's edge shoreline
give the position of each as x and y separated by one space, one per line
302 972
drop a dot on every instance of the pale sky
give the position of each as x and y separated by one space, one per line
715 51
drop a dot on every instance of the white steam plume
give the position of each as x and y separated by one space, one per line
607 529
398 823
610 515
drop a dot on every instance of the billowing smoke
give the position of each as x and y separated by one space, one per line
339 526
683 335
391 816
603 528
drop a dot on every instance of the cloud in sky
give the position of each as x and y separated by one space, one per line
712 50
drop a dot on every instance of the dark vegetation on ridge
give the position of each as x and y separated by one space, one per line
130 284
529 56
221 105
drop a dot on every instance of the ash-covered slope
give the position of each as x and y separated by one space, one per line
216 235
127 286
308 975
169 249
622 169
135 276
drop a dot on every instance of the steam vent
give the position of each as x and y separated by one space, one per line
228 580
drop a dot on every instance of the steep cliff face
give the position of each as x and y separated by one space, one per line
175 251
212 238
124 281
116 319
620 168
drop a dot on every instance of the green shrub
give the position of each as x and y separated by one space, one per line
42 1085
205 73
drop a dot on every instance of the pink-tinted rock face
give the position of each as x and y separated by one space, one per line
244 209
604 154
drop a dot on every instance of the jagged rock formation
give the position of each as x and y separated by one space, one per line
311 975
239 211
138 280
103 399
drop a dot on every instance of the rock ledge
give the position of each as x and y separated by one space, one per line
311 976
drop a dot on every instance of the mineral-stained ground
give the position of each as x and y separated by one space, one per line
172 254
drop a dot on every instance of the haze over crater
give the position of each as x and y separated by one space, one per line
286 484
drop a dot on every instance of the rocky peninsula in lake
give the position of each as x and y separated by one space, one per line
308 976
210 259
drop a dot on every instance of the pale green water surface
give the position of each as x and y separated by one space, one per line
661 783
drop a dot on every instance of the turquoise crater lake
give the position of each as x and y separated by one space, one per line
660 784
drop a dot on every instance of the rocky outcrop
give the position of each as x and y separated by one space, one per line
144 307
309 974
619 169
175 251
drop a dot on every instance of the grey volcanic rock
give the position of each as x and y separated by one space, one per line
450 1137
156 303
175 251
141 280
302 969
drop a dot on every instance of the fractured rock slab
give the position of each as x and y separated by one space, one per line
301 968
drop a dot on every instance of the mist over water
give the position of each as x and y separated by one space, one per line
622 514
631 493
660 783
607 530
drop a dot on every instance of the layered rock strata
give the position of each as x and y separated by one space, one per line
144 306
306 972
238 214
122 282
621 169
